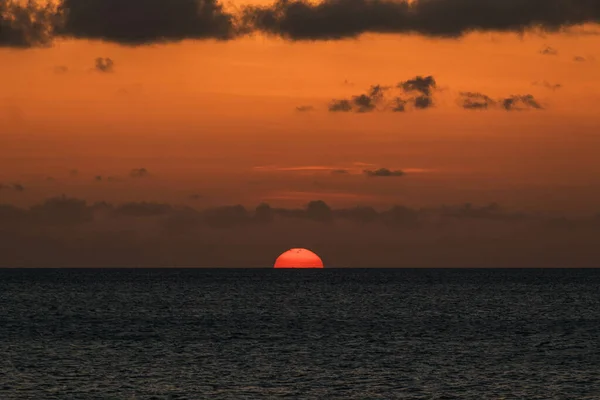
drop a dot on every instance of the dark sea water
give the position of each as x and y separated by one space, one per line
299 334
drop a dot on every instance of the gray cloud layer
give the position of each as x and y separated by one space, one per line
335 19
63 232
137 22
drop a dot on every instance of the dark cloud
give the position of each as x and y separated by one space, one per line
547 85
17 187
420 84
343 105
25 24
399 104
580 59
383 172
480 101
142 209
98 178
549 51
362 103
520 102
138 22
61 211
338 19
226 216
304 108
423 102
106 65
475 101
70 232
417 91
139 173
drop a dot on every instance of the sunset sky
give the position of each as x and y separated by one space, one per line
202 115
371 103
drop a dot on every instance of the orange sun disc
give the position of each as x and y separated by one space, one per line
298 258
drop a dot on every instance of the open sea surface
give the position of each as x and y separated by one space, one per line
299 334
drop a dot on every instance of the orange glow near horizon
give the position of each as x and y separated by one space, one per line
298 258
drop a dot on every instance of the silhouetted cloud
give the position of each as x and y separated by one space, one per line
70 232
304 108
383 172
549 51
338 19
361 103
547 85
143 209
17 187
416 91
138 22
340 171
106 65
475 101
25 24
61 211
480 101
139 173
343 105
580 59
420 84
98 178
520 102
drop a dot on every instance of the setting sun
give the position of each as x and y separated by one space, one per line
298 258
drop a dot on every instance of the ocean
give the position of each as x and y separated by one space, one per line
299 334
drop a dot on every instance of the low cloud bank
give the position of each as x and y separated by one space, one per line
67 232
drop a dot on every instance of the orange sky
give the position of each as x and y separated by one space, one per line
201 116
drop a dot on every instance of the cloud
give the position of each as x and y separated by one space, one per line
26 24
340 172
383 172
580 59
339 19
420 84
475 101
549 51
547 85
419 91
142 209
520 102
140 22
343 105
361 103
17 187
305 108
61 211
65 231
106 65
139 173
480 101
